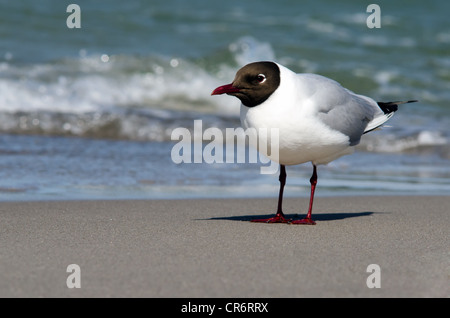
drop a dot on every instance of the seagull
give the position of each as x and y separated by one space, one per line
318 120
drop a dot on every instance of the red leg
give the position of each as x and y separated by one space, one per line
279 217
307 219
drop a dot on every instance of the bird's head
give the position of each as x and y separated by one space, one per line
253 83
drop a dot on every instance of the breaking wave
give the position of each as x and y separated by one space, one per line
146 97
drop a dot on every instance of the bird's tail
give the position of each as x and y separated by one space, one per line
391 107
388 109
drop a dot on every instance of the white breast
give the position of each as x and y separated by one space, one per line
292 109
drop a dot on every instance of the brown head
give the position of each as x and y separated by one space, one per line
253 84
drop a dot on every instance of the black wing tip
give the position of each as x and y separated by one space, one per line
390 107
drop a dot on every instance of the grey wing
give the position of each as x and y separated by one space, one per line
351 117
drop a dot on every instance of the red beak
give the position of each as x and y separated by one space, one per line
225 89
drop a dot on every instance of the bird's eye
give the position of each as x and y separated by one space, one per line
261 78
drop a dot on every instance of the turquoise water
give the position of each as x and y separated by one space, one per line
89 112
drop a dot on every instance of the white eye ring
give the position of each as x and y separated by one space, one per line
261 78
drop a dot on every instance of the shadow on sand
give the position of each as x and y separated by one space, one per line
315 217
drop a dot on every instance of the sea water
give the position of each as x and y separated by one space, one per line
88 113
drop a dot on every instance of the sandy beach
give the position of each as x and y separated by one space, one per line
207 248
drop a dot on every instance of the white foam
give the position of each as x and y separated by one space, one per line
396 144
328 28
248 49
91 84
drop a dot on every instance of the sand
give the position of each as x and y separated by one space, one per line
207 248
